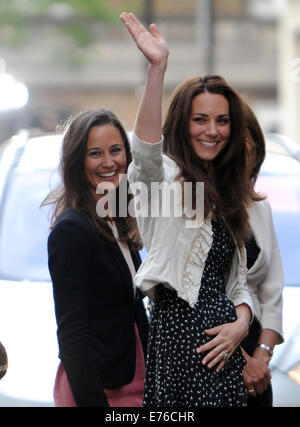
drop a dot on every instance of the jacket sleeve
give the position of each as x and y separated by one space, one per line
237 289
269 290
149 163
69 250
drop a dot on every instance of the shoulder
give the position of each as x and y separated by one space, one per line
70 217
72 225
261 208
261 222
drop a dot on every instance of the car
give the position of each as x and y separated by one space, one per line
27 320
280 180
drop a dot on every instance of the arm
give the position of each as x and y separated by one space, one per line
69 252
269 290
267 282
227 338
149 117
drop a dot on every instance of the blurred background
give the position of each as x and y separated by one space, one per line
72 55
61 57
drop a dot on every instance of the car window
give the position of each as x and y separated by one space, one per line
24 227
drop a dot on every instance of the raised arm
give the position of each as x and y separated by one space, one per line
153 46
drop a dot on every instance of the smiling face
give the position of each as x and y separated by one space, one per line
105 156
209 125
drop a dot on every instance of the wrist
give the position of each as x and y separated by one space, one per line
262 355
243 322
243 326
244 314
158 67
266 349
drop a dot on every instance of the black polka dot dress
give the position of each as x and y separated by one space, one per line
175 375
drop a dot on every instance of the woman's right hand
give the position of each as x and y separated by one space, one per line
151 43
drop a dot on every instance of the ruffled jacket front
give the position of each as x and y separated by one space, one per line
176 254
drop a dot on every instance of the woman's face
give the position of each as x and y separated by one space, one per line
209 125
105 156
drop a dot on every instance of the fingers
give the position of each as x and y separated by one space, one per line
154 30
218 349
151 43
250 392
218 354
134 26
256 381
217 359
260 384
213 331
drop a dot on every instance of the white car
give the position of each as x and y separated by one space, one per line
27 321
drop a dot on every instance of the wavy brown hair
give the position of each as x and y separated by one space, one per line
228 191
256 149
74 191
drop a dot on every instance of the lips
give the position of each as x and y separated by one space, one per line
208 144
107 174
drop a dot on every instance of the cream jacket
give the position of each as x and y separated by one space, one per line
176 254
265 278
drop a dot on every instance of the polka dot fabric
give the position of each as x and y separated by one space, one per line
175 375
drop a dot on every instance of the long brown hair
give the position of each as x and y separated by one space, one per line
256 149
73 192
228 192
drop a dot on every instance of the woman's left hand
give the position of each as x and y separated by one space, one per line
227 338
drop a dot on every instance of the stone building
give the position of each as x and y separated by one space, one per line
234 38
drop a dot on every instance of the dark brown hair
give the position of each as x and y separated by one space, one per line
74 190
228 192
256 145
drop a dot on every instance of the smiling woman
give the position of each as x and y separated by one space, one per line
106 156
209 125
101 320
195 276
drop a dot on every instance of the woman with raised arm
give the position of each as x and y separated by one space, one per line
194 274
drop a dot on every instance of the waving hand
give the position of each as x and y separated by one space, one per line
151 43
154 47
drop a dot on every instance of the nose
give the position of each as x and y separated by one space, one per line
212 129
108 161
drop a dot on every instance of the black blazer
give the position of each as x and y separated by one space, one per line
95 309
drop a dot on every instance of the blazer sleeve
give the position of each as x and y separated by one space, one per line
269 290
69 250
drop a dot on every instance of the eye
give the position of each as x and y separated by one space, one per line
224 120
95 153
117 149
199 119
